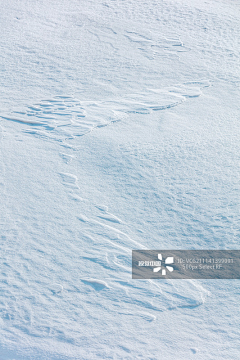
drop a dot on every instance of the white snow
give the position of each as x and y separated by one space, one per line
119 130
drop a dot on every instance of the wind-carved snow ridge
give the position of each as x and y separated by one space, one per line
66 116
150 48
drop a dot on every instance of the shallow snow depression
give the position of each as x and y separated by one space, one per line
119 130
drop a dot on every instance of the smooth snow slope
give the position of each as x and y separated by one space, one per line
119 130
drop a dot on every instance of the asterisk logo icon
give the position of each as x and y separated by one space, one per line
168 260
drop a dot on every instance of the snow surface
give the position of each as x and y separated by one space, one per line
119 130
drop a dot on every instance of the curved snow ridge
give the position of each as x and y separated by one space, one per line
146 316
96 284
152 48
110 217
115 236
64 117
186 294
69 180
145 301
